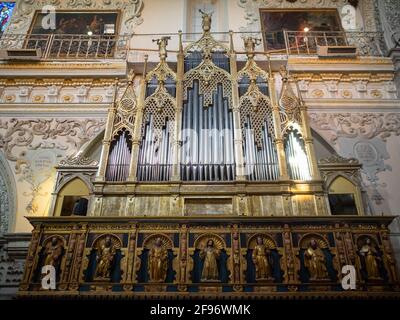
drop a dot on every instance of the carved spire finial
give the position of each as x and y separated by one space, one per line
131 76
284 73
207 20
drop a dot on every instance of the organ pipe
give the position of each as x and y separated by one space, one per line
261 161
119 158
155 154
207 151
296 157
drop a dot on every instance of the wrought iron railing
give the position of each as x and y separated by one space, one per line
70 46
299 43
57 46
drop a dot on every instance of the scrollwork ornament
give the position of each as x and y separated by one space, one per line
354 125
131 10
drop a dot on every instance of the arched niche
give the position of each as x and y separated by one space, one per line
8 198
344 196
74 193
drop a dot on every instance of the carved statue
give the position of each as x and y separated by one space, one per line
260 258
210 255
158 262
207 20
370 256
53 252
250 44
162 47
105 258
314 261
284 73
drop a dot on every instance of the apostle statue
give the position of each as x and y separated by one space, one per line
260 258
158 262
210 255
105 258
314 261
370 258
53 252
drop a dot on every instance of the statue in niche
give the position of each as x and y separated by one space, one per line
210 255
315 262
370 257
158 262
105 258
53 252
260 258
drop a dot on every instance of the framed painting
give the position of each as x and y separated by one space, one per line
78 23
275 21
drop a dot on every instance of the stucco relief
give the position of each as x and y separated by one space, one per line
251 8
130 9
389 13
354 125
7 196
16 133
37 146
362 136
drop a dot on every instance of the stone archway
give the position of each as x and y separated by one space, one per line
7 196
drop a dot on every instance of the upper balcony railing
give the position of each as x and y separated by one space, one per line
306 43
70 46
82 47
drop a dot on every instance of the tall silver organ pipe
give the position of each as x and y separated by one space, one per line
261 162
119 158
155 155
296 157
208 145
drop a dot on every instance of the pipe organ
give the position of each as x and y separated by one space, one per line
195 133
209 157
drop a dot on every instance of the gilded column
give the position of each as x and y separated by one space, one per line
237 133
31 259
107 137
183 258
138 127
308 140
129 276
280 149
178 115
68 259
79 252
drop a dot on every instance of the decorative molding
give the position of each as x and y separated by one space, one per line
251 8
353 125
78 160
336 159
130 10
7 196
21 133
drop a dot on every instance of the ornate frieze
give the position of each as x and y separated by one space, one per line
15 133
357 125
245 258
251 8
130 10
